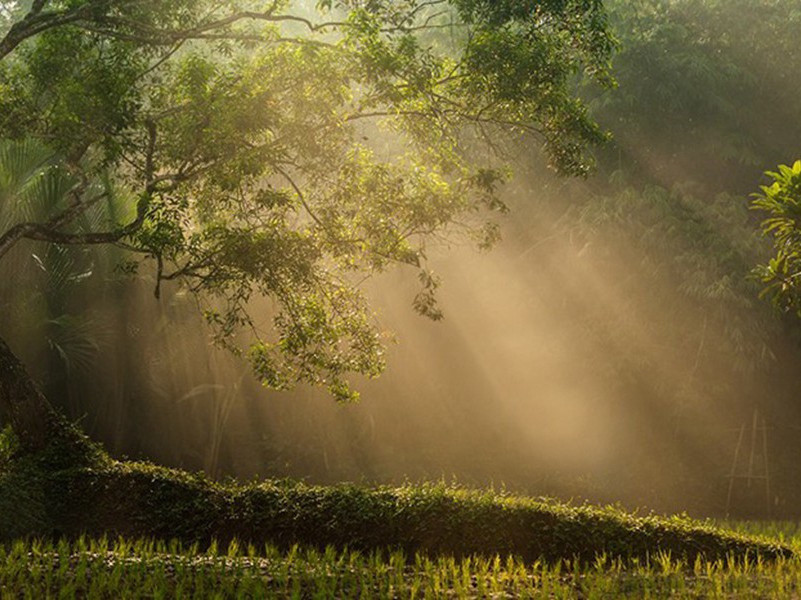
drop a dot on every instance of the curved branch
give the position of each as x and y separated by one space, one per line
37 21
50 230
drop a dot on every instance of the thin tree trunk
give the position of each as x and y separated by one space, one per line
23 406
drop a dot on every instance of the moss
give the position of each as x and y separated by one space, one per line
104 497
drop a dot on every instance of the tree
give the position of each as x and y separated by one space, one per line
693 79
691 134
282 150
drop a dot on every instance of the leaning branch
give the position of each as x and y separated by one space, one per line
37 21
44 232
94 16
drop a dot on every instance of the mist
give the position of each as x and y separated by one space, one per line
611 347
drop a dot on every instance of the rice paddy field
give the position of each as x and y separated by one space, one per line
103 568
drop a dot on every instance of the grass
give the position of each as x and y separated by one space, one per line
149 569
60 508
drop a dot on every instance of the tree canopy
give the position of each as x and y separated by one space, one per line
286 150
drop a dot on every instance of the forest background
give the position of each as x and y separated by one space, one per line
615 333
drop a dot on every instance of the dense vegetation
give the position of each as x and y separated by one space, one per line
54 495
664 221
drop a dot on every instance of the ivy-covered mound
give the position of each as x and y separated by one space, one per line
74 488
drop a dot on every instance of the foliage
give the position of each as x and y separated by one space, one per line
250 141
47 305
694 80
704 248
690 134
102 497
781 200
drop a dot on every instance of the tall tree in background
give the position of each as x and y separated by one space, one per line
251 137
692 132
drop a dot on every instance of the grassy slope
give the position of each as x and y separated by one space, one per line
68 492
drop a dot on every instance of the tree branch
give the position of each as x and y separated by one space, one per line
65 217
43 233
37 21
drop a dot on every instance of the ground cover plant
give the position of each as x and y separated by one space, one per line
74 488
120 568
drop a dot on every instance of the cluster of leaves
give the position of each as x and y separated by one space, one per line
46 307
782 202
523 56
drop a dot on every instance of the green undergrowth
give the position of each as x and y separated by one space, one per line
41 497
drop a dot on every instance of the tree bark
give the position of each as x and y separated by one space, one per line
23 406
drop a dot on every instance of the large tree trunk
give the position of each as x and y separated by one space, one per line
23 406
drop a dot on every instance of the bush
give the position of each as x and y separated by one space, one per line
142 500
